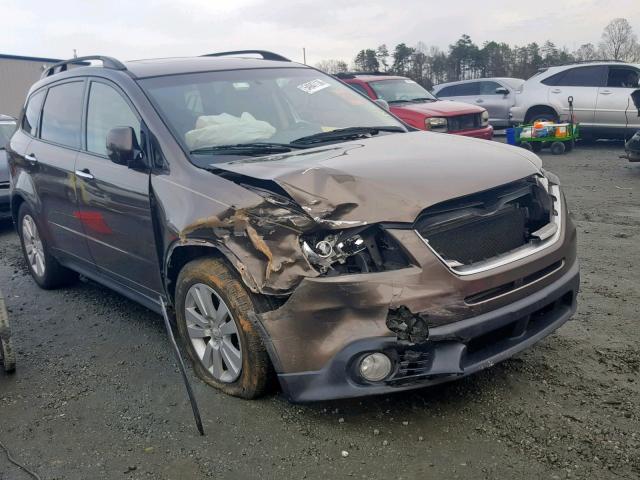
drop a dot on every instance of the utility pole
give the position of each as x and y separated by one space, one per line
304 55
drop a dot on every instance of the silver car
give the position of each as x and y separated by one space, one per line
495 94
7 127
600 91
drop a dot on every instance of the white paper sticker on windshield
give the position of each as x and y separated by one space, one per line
313 86
409 81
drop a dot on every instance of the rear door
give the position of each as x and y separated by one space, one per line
614 108
497 104
113 199
51 158
581 83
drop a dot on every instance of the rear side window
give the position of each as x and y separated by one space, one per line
462 90
447 92
62 113
32 113
107 109
578 77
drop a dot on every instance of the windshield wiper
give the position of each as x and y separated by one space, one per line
423 99
344 133
246 149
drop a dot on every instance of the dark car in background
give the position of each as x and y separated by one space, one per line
497 95
7 127
413 104
291 224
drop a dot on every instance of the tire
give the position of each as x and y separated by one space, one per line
536 147
570 145
541 117
214 340
44 268
557 148
6 349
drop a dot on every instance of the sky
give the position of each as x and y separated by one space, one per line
334 29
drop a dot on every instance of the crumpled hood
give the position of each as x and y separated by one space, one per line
441 108
390 178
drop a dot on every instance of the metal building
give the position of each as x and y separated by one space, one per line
17 74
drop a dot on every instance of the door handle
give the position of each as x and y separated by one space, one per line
556 90
479 100
85 173
606 92
30 157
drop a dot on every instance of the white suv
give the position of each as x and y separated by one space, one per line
601 97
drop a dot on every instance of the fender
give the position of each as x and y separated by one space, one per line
201 245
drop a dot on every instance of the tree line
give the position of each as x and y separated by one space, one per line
465 60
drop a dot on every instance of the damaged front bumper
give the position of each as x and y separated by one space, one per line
452 350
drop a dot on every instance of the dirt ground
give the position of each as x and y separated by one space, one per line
97 393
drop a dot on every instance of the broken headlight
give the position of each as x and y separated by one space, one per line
359 250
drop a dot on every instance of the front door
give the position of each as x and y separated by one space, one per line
113 199
581 84
497 104
614 108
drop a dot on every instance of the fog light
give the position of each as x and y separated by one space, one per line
375 367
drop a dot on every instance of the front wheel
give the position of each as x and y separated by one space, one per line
212 313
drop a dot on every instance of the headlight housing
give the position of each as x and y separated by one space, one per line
356 250
485 118
436 124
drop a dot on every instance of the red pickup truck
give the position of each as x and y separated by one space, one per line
419 108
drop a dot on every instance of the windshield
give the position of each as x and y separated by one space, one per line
6 130
258 108
401 90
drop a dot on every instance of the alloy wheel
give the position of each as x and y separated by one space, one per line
33 245
213 333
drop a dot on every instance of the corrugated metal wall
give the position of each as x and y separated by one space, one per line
16 76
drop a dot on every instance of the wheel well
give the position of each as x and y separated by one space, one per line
180 257
16 201
538 110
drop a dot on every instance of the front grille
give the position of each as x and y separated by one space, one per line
4 185
482 226
480 238
464 122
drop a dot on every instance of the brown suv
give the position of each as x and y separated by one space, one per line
292 224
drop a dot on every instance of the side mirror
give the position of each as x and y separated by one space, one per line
123 147
383 103
502 91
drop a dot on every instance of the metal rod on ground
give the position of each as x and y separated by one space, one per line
183 371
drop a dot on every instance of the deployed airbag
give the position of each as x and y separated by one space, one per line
226 129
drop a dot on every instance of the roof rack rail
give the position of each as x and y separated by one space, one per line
354 74
266 55
599 60
107 62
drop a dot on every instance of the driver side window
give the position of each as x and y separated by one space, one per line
107 109
622 77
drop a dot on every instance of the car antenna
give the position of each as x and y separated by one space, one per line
183 371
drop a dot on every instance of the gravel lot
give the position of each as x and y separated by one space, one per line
98 395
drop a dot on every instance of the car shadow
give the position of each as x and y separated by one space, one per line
6 225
